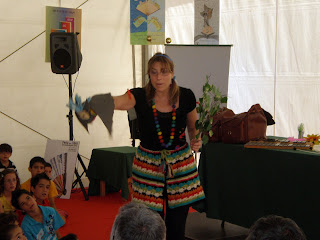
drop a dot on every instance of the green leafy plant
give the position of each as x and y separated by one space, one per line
208 106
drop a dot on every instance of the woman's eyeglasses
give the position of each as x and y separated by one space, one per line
163 72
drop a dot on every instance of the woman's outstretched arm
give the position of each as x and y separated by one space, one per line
124 102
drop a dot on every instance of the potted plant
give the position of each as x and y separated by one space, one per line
208 106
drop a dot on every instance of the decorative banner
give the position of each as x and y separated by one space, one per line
61 20
147 22
206 22
62 155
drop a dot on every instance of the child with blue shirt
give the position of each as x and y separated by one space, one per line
40 222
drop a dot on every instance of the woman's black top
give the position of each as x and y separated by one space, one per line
148 132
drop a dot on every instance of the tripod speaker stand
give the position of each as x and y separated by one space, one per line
70 118
66 59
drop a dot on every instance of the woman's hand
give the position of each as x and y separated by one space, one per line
195 144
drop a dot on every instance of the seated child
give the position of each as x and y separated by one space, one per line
275 227
9 182
36 166
40 185
40 222
48 169
8 218
5 154
11 232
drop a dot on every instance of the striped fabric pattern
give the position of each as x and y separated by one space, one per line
148 178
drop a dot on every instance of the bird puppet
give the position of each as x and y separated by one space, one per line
101 105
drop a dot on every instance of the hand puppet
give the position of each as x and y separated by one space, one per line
101 105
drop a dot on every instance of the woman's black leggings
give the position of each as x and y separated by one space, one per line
175 219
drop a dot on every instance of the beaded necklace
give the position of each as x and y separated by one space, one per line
173 124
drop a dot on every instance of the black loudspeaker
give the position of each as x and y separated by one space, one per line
65 53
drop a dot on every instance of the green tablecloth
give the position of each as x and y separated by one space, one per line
114 166
243 184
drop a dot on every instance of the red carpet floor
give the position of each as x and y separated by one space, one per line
92 219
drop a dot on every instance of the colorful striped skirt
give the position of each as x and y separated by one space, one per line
176 170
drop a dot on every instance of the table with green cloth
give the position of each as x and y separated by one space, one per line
244 184
113 166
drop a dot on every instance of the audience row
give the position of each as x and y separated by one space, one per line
32 202
137 222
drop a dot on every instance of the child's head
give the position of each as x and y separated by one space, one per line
23 200
9 181
48 169
5 152
36 166
8 218
275 227
11 232
40 185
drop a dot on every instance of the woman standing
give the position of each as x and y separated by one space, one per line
164 172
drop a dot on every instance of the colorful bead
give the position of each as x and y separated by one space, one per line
158 125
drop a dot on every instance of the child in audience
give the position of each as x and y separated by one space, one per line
276 228
8 218
11 232
5 154
40 222
40 185
48 169
9 182
36 166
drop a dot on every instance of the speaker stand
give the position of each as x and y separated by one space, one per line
70 118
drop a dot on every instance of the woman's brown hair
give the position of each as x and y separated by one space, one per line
166 61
